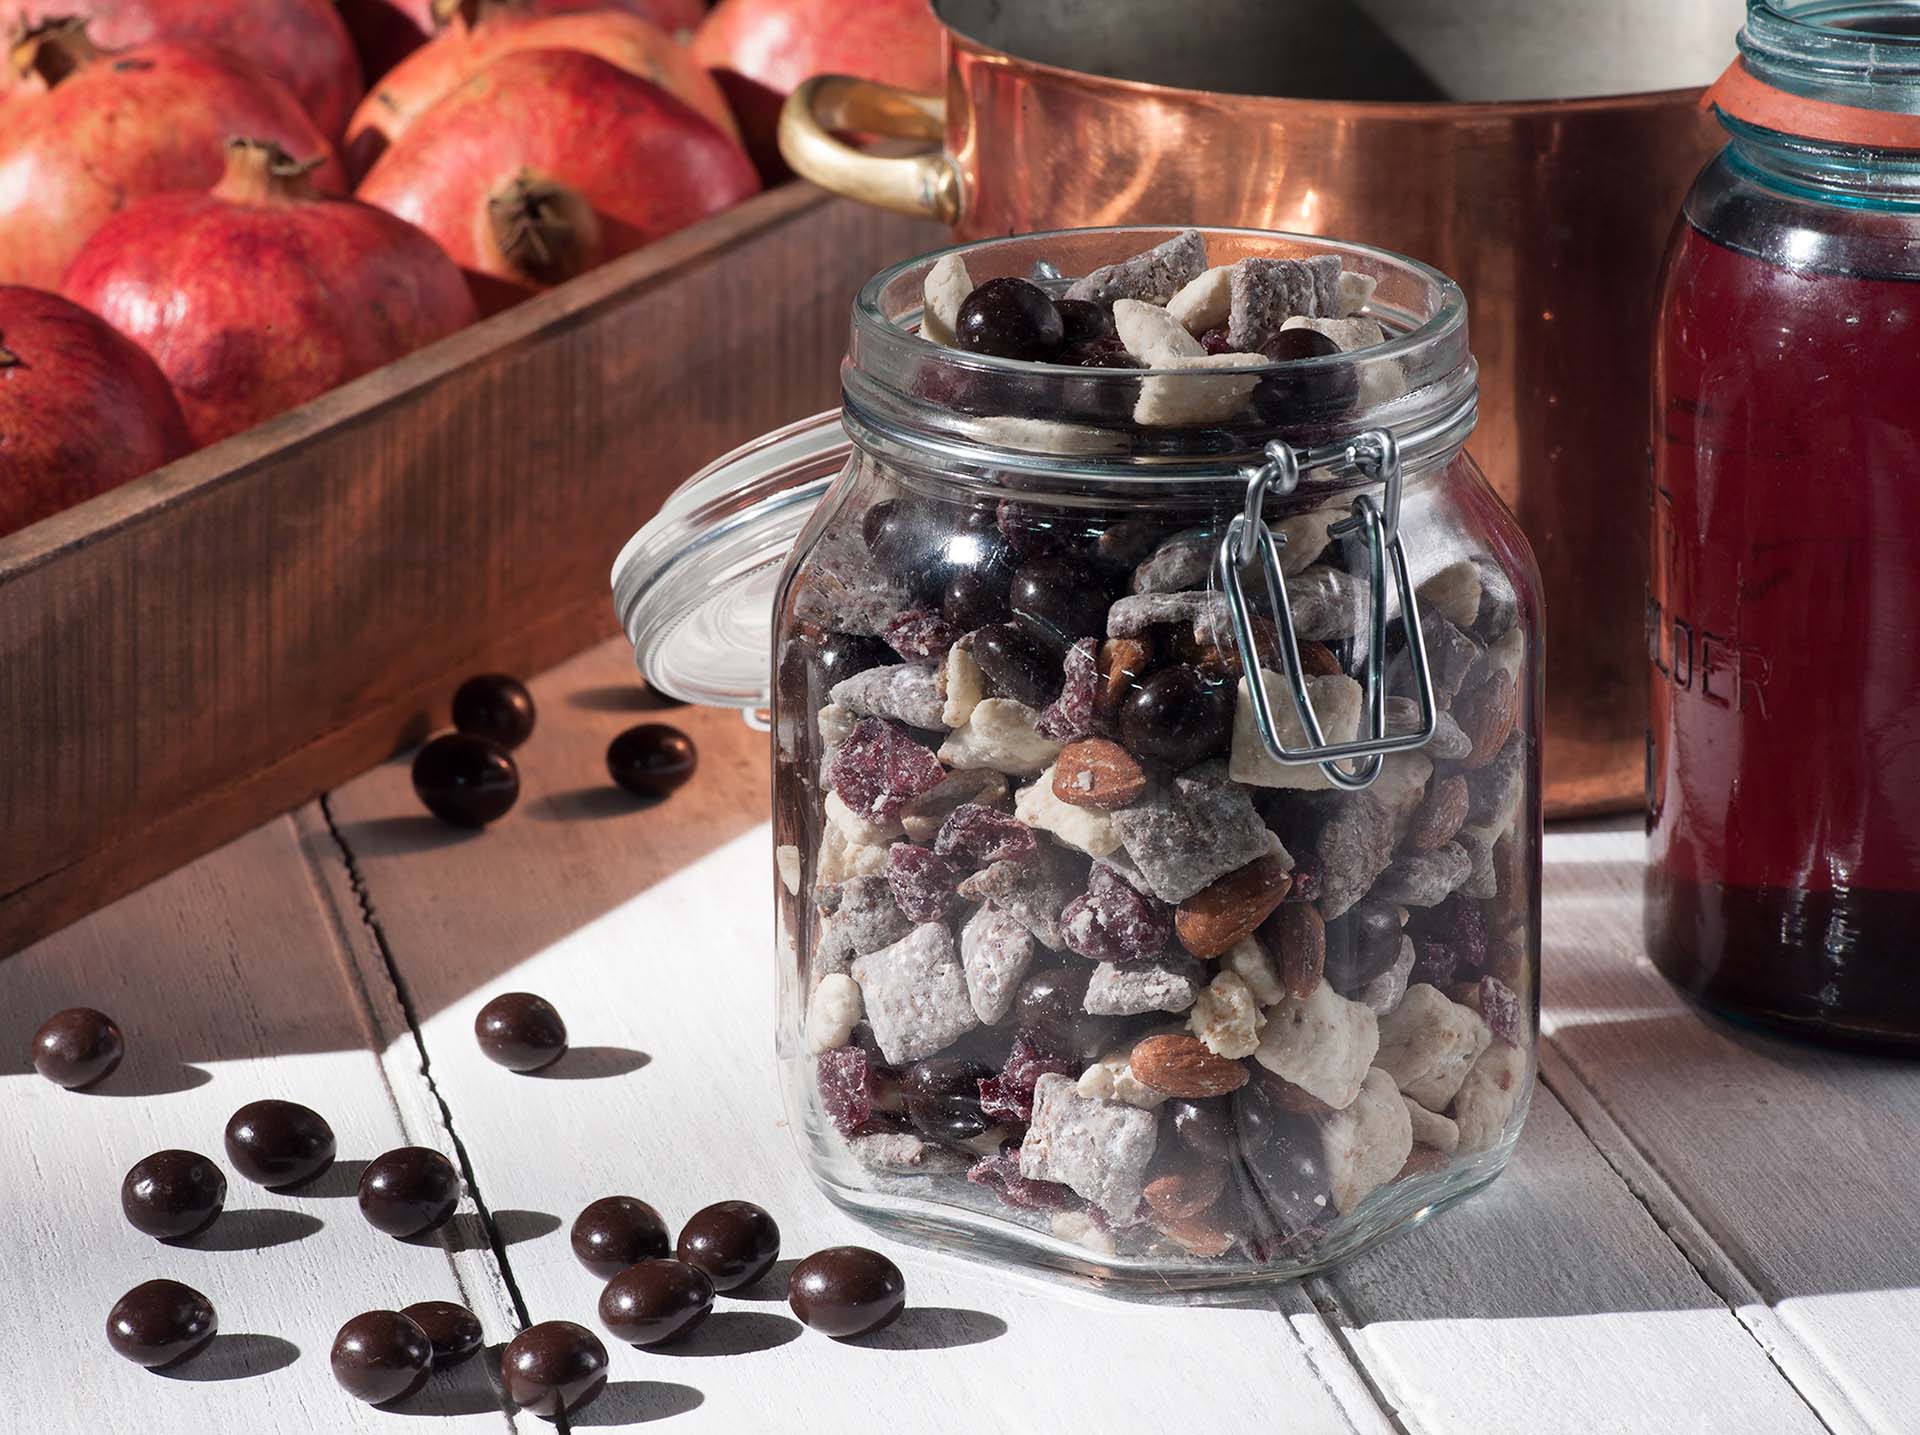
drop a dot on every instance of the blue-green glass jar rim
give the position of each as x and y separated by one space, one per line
1860 53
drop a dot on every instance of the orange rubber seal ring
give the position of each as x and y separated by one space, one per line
1746 97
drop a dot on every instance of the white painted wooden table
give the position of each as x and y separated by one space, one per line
1704 1229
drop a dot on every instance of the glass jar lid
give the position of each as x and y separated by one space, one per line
695 588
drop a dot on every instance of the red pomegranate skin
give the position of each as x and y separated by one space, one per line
302 43
646 163
385 32
760 51
82 408
459 51
253 307
123 126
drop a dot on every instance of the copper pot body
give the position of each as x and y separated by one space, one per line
1552 215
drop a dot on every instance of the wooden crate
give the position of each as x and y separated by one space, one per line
217 642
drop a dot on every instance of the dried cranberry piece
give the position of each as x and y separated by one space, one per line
1001 1175
1071 715
1214 341
922 881
921 633
1009 1096
848 1088
1462 925
1308 875
1433 962
1470 934
1111 922
1099 354
984 835
879 769
1500 1005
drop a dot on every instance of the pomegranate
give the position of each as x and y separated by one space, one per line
385 32
761 49
481 31
261 293
82 409
549 162
88 131
301 43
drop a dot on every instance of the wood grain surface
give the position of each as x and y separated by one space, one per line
193 652
1702 1230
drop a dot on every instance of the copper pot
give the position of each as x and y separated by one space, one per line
1407 123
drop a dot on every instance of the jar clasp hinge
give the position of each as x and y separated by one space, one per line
1375 455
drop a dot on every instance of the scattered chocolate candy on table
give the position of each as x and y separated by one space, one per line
495 707
381 1356
278 1143
161 1323
1077 949
77 1047
651 760
466 781
655 1301
409 1191
520 1031
554 1368
733 1242
845 1291
172 1194
615 1232
452 1330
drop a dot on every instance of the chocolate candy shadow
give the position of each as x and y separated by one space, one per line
235 1357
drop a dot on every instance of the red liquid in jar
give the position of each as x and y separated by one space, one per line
1783 626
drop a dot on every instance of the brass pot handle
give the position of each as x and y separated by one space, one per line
924 185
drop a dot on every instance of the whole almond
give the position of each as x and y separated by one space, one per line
1288 1097
1179 1195
1219 656
1299 940
1123 662
1196 1236
1440 816
1317 660
1221 916
1094 772
1487 715
1181 1065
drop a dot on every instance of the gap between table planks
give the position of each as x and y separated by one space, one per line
1554 1301
235 978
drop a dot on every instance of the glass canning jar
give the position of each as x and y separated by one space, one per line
1091 954
1783 779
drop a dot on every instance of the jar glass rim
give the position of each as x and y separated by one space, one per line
1450 312
894 378
1862 53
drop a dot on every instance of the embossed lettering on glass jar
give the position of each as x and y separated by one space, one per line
1093 953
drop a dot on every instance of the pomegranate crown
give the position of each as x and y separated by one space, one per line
52 50
470 12
260 170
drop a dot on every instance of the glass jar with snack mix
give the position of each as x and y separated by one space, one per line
1094 954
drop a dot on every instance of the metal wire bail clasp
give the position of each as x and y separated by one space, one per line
1248 538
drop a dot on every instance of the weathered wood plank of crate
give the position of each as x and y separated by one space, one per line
196 651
